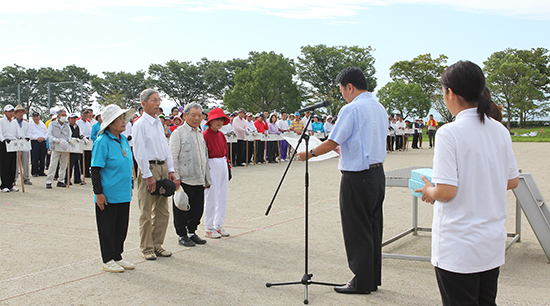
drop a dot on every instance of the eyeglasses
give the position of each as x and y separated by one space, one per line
155 100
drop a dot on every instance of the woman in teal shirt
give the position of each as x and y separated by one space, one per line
317 126
112 183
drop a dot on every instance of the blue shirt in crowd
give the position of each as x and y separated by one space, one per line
116 169
95 130
361 133
317 127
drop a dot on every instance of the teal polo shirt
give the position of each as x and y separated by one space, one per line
116 169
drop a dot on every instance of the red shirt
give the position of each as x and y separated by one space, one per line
216 143
261 126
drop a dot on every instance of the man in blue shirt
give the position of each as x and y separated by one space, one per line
361 134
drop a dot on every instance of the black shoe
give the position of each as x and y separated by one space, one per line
88 175
35 175
42 174
48 186
61 184
186 241
349 289
78 182
196 239
69 184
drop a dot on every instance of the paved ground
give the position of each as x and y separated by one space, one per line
50 248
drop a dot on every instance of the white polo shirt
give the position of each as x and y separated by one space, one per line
468 233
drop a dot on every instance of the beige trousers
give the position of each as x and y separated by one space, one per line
60 158
153 220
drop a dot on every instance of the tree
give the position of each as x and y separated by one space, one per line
426 72
318 66
265 84
115 83
182 81
19 82
72 88
407 99
519 79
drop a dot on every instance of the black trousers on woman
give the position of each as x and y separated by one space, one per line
468 289
361 197
188 221
8 163
112 227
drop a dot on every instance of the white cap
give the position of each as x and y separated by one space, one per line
8 108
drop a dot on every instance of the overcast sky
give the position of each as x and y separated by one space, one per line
129 35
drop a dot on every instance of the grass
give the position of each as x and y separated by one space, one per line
544 137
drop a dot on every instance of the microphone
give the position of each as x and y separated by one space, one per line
315 106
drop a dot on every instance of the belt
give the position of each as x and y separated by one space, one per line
156 162
375 165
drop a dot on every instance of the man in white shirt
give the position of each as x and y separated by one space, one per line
86 129
283 128
250 127
239 127
38 133
155 163
400 133
25 155
59 136
305 120
328 126
9 130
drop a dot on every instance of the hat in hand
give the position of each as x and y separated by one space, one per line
164 188
181 200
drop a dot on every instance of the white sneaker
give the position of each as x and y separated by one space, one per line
13 189
222 232
112 266
210 233
126 265
6 190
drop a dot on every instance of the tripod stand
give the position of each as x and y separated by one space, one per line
306 278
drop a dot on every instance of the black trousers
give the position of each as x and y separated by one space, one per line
458 289
8 166
250 156
188 221
240 152
398 142
389 142
112 227
87 162
415 140
76 165
260 151
431 137
361 197
38 157
273 151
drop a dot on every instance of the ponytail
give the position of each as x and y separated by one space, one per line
483 107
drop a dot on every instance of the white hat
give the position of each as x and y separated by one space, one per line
73 115
110 113
53 112
181 200
63 144
8 108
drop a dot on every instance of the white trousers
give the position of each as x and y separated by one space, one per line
60 158
216 196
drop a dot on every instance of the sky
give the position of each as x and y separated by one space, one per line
129 35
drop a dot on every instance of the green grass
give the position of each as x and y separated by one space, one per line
545 137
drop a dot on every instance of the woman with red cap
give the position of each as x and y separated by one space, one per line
216 195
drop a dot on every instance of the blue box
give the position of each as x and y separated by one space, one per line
416 181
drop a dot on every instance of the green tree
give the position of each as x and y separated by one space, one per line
182 81
520 80
266 83
318 66
426 72
407 99
20 82
116 83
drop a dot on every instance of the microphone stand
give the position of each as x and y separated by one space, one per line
306 278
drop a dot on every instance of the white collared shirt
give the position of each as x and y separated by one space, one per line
128 131
85 127
9 129
468 232
305 120
37 130
150 144
250 126
283 125
23 128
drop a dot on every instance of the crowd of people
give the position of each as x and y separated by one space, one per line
187 152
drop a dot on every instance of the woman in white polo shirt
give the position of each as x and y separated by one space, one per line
473 167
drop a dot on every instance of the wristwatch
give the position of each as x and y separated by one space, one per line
311 152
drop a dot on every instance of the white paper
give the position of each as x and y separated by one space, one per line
314 142
18 145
